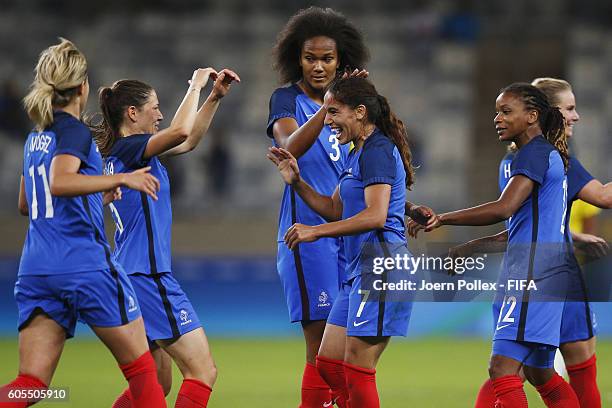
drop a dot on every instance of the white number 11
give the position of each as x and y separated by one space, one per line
42 172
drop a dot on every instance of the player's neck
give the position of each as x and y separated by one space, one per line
527 136
73 108
314 94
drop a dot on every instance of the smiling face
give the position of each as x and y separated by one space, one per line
512 119
567 106
148 116
319 62
344 121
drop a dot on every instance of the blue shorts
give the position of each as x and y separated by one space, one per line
523 315
166 310
368 318
530 354
578 321
102 298
311 277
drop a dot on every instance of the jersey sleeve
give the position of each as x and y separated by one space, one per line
532 161
130 151
377 163
74 139
282 105
577 178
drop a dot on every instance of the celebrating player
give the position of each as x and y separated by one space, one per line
578 326
66 270
367 209
535 200
129 139
310 51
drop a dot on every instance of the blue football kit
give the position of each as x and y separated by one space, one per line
66 269
311 274
143 243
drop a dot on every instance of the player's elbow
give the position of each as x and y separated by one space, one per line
58 186
181 133
23 209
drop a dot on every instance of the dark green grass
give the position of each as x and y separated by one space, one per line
422 373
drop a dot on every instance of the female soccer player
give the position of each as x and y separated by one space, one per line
66 270
535 202
314 46
367 209
578 328
129 140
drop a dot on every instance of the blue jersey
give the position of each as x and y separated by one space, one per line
377 162
320 166
143 225
66 234
536 230
577 178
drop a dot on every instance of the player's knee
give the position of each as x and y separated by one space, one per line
497 368
538 376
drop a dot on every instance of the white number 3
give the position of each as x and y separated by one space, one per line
336 146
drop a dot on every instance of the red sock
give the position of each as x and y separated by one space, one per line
583 379
124 400
193 394
486 396
556 393
22 381
141 375
315 391
332 371
361 383
509 392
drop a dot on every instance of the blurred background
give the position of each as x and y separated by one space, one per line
440 63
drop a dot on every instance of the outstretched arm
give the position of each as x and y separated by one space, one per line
597 194
206 113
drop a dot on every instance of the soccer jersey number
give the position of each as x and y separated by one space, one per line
42 172
335 156
509 301
564 205
366 294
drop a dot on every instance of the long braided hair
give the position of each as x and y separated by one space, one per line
550 118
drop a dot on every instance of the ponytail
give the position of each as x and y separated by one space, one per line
393 127
60 72
114 100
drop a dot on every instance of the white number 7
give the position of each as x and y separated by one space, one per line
366 294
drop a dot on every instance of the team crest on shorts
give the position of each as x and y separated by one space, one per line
132 304
323 299
184 317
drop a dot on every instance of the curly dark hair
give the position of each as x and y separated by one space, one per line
313 22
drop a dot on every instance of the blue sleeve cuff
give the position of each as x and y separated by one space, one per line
378 180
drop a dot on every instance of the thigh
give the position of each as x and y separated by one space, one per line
333 344
191 353
127 342
365 351
577 352
40 346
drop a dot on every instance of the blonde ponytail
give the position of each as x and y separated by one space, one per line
60 71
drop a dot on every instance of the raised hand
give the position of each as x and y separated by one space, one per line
142 180
300 233
111 195
222 84
200 77
286 163
356 73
